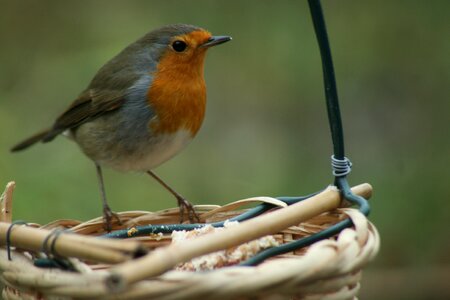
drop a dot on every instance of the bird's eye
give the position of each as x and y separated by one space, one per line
179 46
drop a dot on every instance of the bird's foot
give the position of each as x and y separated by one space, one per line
183 204
108 216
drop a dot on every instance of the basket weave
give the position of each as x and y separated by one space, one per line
329 269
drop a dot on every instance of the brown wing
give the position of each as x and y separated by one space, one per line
91 104
88 106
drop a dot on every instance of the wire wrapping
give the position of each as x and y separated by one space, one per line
53 260
8 236
51 238
341 167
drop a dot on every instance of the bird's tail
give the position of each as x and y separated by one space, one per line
41 136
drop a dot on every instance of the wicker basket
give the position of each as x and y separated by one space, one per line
329 269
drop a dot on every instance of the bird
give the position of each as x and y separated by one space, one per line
141 108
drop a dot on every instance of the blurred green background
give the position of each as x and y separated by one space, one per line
266 131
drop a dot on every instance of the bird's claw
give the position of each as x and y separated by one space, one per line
108 216
183 204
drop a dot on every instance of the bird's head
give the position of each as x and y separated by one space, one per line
181 47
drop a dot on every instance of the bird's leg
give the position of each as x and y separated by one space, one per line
108 214
182 202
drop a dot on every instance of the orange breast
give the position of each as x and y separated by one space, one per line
178 94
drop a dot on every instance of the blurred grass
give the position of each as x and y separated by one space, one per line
265 131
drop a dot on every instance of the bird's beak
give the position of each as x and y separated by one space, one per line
216 40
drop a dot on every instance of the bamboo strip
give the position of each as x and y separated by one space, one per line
6 203
127 246
236 204
71 245
165 258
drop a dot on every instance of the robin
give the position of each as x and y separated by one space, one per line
141 108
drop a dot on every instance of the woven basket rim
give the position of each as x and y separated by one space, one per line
330 268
